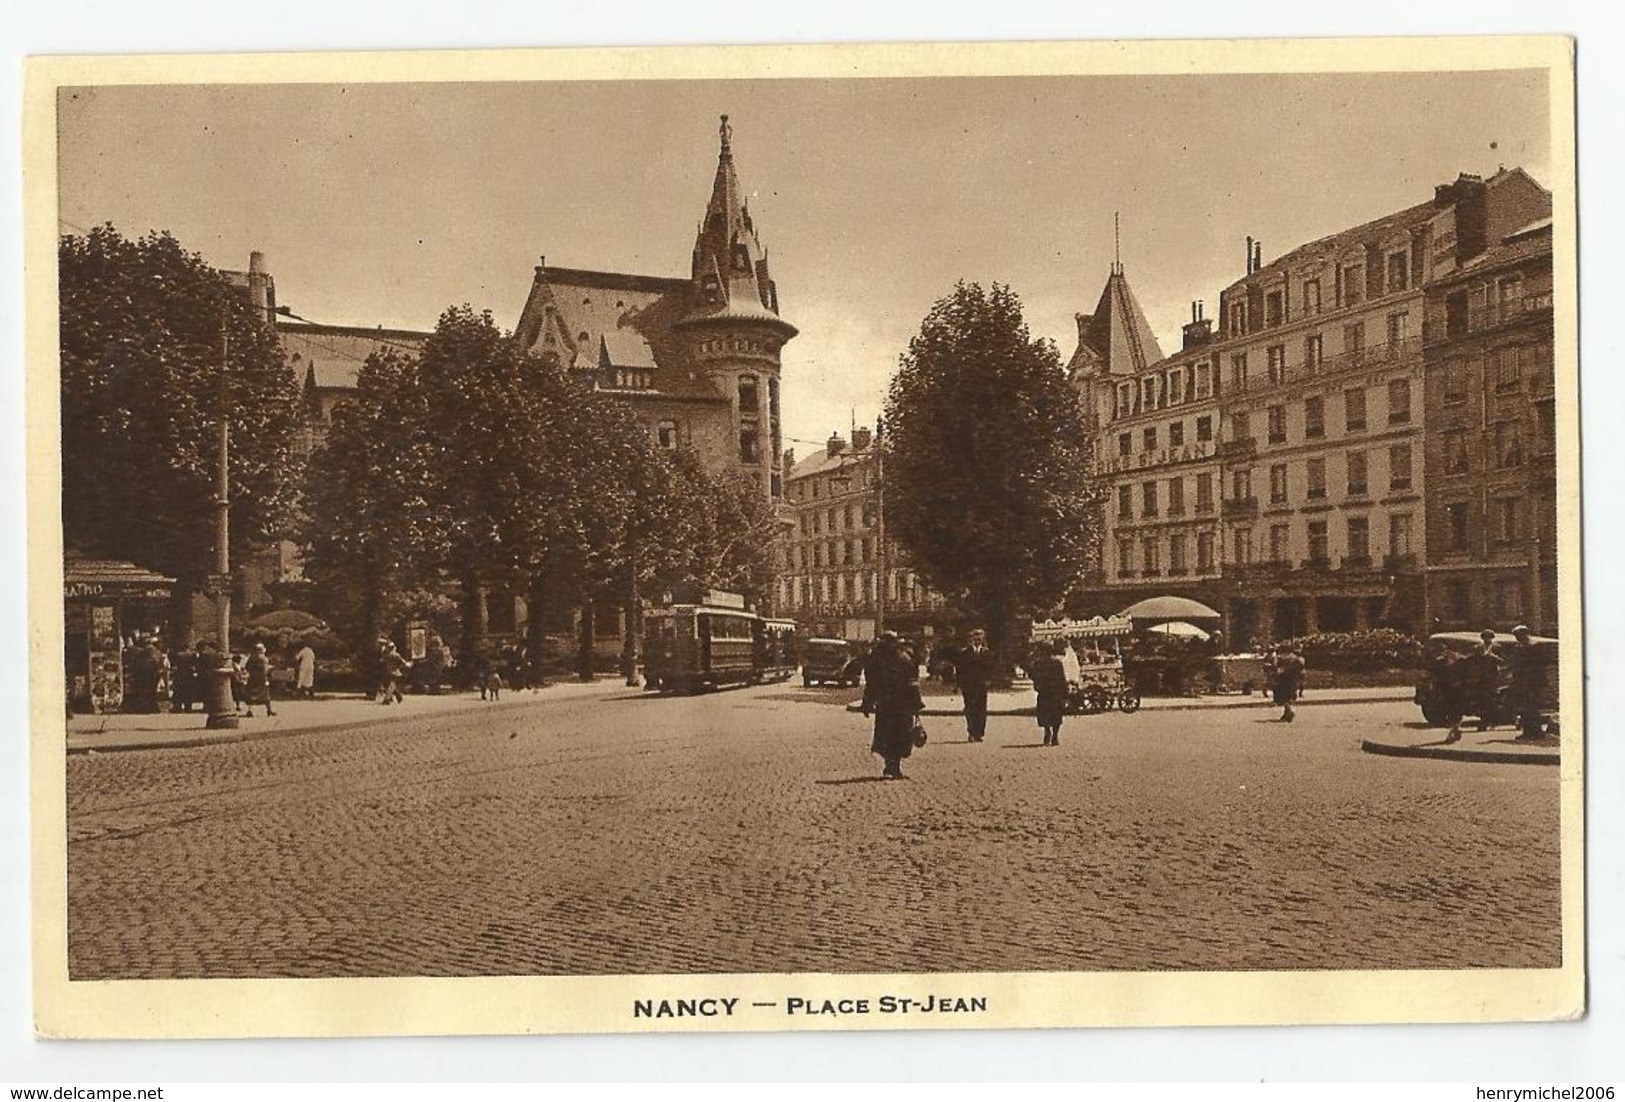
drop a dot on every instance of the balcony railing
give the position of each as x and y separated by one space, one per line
1240 507
1262 568
1397 563
1203 508
1356 562
1244 448
1374 355
1480 318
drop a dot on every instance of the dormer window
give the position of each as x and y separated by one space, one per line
741 257
711 289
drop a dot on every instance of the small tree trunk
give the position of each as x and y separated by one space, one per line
476 624
182 630
536 626
584 642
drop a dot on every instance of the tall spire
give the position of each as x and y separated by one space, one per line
730 271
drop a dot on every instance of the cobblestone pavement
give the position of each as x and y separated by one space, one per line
746 831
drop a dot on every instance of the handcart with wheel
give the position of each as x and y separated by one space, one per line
1095 670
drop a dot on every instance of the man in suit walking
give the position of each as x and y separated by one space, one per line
973 668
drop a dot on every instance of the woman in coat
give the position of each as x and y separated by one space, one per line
891 693
1049 679
258 689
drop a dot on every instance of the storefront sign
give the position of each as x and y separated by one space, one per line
82 590
1160 458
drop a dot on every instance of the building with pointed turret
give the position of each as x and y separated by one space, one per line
1322 462
696 359
1153 423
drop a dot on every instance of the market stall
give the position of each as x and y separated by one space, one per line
109 605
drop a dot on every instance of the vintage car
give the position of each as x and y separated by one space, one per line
1481 687
829 662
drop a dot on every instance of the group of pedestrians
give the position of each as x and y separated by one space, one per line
891 693
1492 683
154 677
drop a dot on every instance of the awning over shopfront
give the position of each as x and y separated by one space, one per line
1100 627
112 579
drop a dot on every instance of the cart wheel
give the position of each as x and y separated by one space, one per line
1129 702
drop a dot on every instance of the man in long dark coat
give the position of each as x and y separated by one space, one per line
973 668
1528 683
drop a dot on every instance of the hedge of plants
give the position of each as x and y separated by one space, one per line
1359 651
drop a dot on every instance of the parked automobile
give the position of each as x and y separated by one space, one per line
829 662
1483 688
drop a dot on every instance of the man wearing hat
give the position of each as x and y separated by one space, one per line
973 668
1528 682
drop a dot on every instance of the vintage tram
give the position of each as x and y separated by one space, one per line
689 648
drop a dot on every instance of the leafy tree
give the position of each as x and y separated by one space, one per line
477 464
371 530
985 456
141 327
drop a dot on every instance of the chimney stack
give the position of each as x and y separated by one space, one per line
1249 254
261 289
835 446
862 438
1199 330
1258 255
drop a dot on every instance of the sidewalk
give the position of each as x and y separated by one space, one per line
294 717
1499 744
1019 702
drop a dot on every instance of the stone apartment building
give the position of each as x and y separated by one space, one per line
831 559
1491 458
1278 469
1153 423
1322 385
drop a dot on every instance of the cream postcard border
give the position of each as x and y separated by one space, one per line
602 1004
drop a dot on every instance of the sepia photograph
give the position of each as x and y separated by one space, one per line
790 539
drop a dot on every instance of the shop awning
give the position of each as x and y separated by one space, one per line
89 578
1096 628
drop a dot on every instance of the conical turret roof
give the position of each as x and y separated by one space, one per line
730 270
1116 336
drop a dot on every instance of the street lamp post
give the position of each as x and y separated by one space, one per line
218 702
880 526
632 627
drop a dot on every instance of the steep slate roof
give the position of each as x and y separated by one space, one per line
595 320
1117 335
1521 244
330 356
1406 219
821 461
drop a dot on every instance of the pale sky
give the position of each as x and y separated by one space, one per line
384 204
